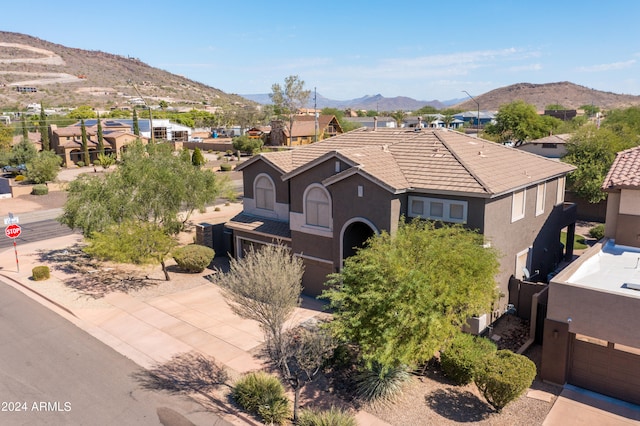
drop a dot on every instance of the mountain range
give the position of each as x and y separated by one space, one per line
64 76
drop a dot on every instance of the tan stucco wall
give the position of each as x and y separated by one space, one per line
607 316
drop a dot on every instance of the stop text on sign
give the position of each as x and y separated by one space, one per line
13 231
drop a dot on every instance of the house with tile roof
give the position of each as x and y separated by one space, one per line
592 327
326 199
67 141
304 130
552 146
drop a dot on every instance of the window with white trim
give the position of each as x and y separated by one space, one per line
438 209
264 193
317 207
541 195
518 204
560 193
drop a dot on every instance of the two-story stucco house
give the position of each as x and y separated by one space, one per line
324 200
592 330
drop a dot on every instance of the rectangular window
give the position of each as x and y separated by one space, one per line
560 193
417 207
541 196
518 205
360 191
438 209
337 167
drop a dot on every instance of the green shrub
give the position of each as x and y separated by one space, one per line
380 383
20 178
596 232
97 162
80 163
464 355
40 273
331 417
226 167
262 394
194 257
504 377
40 189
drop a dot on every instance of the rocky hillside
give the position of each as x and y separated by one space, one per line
66 76
569 95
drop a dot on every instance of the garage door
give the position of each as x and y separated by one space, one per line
605 368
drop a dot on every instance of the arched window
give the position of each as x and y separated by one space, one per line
317 207
264 193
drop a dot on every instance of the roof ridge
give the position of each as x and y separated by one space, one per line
484 185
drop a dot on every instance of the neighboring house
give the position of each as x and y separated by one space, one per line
552 146
592 329
259 132
436 121
326 199
67 141
372 122
471 117
304 131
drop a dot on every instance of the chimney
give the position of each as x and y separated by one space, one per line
375 123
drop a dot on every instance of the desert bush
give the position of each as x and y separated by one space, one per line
597 232
80 163
226 167
380 383
20 178
194 257
262 394
40 273
40 189
504 377
97 162
332 417
464 355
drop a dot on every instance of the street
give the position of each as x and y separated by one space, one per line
54 373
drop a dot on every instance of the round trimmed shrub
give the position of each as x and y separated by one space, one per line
80 163
40 189
262 394
504 377
464 355
225 167
40 273
20 178
332 417
194 257
597 232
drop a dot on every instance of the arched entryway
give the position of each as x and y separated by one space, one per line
355 233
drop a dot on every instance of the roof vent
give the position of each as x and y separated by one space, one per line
385 148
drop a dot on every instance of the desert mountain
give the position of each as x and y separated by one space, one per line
66 76
569 95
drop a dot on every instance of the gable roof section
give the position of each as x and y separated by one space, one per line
625 171
427 160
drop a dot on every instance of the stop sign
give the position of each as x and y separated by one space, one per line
13 231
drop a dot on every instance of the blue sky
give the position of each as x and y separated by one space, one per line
426 50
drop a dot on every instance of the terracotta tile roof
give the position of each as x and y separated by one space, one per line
429 160
625 170
246 222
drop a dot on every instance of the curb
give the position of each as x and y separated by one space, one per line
53 302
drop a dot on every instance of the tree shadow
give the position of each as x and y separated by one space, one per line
89 276
184 374
458 405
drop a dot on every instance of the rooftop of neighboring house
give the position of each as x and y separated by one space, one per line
557 139
607 267
428 160
625 171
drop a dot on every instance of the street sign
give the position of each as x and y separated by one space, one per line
11 219
13 231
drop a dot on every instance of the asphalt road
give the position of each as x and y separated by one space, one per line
36 231
54 373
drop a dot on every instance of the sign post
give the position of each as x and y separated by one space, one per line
13 231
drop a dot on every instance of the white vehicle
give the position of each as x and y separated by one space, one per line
197 139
